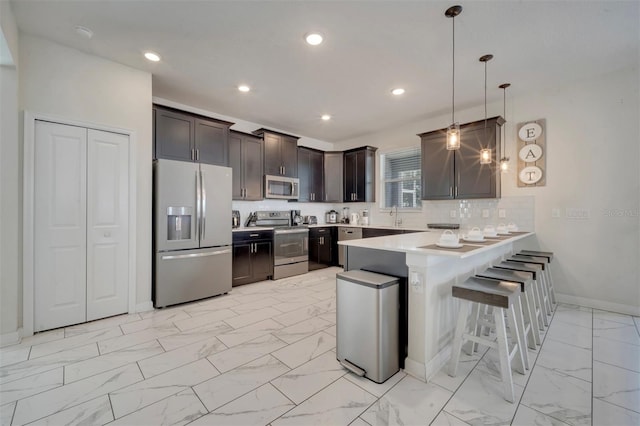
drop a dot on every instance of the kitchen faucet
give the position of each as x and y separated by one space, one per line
396 221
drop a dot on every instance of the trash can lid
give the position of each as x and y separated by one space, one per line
369 279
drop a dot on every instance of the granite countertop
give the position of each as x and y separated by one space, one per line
416 242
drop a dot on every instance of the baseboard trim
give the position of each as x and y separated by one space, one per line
440 360
415 369
12 338
144 306
599 304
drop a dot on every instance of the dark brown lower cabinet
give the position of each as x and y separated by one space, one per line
321 248
252 257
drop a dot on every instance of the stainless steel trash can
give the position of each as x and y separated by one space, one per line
367 323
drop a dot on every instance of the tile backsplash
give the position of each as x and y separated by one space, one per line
468 213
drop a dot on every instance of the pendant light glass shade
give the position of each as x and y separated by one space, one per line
453 137
485 156
453 132
485 153
504 161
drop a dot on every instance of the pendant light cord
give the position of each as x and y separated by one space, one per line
485 96
504 115
453 72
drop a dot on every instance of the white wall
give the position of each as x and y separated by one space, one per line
10 179
593 144
70 84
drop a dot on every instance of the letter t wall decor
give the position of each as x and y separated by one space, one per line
532 153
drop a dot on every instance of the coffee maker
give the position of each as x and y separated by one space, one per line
235 218
296 218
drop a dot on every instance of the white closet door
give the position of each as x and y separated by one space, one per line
60 225
107 224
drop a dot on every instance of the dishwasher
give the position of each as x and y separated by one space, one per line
346 233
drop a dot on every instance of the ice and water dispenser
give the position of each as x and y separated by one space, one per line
179 223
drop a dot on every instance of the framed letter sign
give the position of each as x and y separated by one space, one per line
532 153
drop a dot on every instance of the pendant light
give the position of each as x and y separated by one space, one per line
453 132
485 153
504 161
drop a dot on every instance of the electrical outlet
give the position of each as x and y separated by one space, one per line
502 213
577 213
485 213
415 280
555 212
453 214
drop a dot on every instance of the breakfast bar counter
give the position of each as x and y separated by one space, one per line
429 272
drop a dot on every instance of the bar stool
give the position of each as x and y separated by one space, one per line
546 278
539 297
525 308
502 297
549 256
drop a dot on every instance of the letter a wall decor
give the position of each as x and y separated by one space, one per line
532 153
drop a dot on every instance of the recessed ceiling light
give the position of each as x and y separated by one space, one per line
313 39
326 117
398 91
244 88
153 57
84 31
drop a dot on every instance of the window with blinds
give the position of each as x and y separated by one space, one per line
401 179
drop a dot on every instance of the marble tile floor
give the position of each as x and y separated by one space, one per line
265 355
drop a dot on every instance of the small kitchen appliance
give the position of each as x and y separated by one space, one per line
345 215
364 218
296 218
235 218
354 218
331 217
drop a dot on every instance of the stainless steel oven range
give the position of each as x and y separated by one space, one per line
290 243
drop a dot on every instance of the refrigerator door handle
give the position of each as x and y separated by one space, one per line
198 208
204 206
189 256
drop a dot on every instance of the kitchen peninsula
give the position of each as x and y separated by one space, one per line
429 273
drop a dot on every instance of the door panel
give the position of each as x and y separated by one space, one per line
107 224
272 158
174 135
252 168
216 206
60 225
211 142
235 161
174 188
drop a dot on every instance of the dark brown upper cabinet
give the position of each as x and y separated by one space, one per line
333 176
183 136
310 173
280 153
245 158
458 174
359 174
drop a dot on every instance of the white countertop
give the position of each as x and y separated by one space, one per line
413 243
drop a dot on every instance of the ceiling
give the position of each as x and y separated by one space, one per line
209 47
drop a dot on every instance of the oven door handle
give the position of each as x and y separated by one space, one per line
291 231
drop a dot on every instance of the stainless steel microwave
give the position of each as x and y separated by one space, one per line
284 188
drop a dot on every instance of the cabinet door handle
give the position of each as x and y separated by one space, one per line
451 191
284 170
197 155
456 191
193 154
254 235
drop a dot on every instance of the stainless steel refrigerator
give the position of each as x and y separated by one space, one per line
192 231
